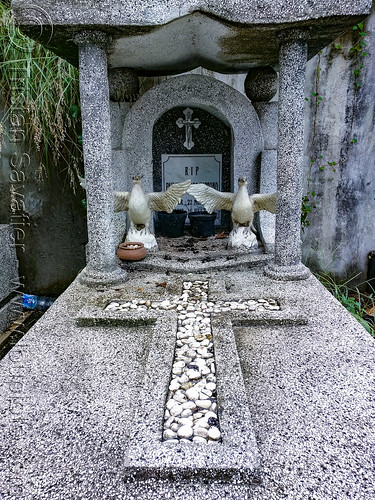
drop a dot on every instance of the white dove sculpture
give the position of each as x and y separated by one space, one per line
242 206
140 205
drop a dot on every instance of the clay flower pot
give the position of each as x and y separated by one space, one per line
132 250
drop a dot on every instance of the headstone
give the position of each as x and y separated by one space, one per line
204 168
191 143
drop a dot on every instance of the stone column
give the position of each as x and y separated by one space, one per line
102 267
292 57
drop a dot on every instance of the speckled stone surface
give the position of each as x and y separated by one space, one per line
72 397
144 12
102 265
123 84
267 112
290 151
216 97
267 184
261 84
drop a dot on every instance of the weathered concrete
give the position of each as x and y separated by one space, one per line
9 301
49 217
309 388
345 197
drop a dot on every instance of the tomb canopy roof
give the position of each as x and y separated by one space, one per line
171 36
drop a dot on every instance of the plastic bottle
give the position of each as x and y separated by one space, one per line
36 302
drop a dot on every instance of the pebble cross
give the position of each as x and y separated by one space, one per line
188 123
191 412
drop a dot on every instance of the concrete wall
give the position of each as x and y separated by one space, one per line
10 307
49 221
342 229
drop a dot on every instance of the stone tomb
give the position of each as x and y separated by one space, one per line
84 394
197 346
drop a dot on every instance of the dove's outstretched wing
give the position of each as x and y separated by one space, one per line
168 200
212 199
121 201
264 202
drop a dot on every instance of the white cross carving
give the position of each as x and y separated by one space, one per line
188 123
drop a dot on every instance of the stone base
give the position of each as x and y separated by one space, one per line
89 396
144 236
242 237
92 278
287 273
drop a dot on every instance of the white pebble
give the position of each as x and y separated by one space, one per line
186 431
203 403
200 431
186 421
192 394
198 439
201 422
174 385
214 433
193 374
169 434
171 403
176 410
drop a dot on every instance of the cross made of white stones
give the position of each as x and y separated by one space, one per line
188 123
191 407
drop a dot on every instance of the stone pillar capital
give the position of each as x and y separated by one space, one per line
293 35
92 37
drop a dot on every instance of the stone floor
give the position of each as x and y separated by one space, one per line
73 400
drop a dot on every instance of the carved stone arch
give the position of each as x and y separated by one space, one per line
205 92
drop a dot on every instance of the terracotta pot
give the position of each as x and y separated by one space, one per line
132 250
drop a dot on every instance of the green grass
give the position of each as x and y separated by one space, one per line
41 93
358 303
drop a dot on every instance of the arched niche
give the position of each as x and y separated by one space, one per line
216 97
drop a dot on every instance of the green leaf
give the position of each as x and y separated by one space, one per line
322 168
306 98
